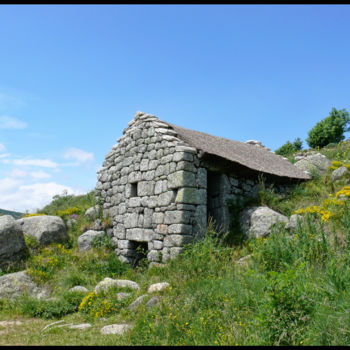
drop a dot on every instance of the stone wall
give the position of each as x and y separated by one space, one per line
222 188
153 188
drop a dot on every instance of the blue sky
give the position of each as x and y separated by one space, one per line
73 76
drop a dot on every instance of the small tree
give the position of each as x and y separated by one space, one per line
329 130
288 148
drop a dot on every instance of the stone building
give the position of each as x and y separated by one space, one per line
160 183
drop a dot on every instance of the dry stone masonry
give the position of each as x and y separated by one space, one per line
154 188
159 191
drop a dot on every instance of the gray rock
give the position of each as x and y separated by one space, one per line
139 234
137 302
313 162
191 195
78 289
339 173
158 287
85 240
93 212
110 282
80 326
293 222
166 198
14 285
258 221
118 329
153 302
46 229
121 296
12 244
181 179
177 240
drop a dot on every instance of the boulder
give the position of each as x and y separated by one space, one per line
293 222
85 240
12 245
118 329
153 302
138 301
313 162
110 282
258 221
14 285
121 296
93 212
158 287
46 229
79 289
339 173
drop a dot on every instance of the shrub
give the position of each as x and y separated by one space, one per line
288 148
329 130
47 309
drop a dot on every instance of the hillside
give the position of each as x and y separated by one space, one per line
15 214
290 288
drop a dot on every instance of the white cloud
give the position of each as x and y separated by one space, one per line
17 173
4 155
14 195
46 163
7 122
2 147
78 155
8 185
39 174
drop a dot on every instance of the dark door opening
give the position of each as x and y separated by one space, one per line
213 198
140 251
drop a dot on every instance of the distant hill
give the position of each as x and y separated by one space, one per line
15 214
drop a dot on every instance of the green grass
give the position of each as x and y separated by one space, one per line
295 289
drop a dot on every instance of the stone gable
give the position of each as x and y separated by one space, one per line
159 192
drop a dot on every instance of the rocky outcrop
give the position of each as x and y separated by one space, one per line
258 221
293 222
79 289
93 212
110 282
14 285
12 244
158 287
46 229
86 239
312 162
118 329
339 173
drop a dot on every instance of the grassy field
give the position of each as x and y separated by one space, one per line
294 289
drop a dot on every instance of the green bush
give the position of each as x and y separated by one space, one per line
289 148
48 309
329 130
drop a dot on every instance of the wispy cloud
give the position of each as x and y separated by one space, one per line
17 173
78 155
2 147
39 175
7 101
46 163
7 122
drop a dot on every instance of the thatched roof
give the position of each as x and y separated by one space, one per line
250 156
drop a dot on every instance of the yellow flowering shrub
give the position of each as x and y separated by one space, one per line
337 163
30 215
345 191
68 211
97 305
42 266
330 207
